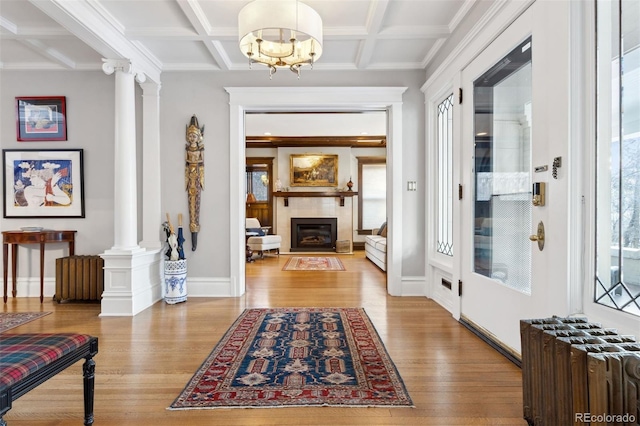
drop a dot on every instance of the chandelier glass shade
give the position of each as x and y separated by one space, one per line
280 33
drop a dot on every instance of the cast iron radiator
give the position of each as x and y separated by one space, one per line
573 369
614 388
79 278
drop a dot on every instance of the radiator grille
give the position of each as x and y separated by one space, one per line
79 278
572 368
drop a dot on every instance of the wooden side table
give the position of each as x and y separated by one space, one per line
13 238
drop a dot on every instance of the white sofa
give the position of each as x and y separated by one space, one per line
375 247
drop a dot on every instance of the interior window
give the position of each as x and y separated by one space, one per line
372 193
257 184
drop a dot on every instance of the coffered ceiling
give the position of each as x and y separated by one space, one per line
201 35
161 36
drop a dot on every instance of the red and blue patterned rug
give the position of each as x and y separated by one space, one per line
314 263
9 320
293 357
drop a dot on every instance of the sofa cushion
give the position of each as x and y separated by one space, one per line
376 241
382 228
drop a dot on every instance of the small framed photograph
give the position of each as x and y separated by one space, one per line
41 118
314 170
43 183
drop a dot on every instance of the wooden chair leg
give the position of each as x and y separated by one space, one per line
88 369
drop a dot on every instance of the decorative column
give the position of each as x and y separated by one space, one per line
131 273
125 199
151 190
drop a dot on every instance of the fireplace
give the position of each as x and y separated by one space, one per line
313 233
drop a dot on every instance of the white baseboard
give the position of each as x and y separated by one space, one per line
413 286
196 287
30 287
209 287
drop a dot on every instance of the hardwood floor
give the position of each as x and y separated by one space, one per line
145 361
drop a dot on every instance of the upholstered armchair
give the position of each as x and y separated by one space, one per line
258 240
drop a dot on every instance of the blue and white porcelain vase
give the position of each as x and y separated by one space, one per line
175 281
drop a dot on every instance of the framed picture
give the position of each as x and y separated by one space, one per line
43 183
41 118
314 170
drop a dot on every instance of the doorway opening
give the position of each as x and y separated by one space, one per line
314 156
244 100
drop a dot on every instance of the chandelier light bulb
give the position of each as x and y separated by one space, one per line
262 29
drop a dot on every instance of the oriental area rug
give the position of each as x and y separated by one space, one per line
297 357
298 263
9 320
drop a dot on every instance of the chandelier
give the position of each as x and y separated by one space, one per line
280 33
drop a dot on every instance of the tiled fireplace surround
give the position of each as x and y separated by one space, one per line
313 207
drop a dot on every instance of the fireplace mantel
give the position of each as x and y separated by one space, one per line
337 194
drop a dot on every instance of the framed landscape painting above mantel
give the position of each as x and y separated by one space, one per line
41 118
314 170
45 183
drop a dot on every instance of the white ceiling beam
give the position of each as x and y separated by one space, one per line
377 11
432 52
415 32
49 52
383 66
160 33
82 20
195 15
459 16
33 66
345 33
200 23
97 5
30 32
8 25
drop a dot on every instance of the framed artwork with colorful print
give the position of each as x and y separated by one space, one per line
43 183
41 118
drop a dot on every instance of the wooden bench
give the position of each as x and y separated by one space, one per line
28 360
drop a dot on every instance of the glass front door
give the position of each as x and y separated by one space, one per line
498 139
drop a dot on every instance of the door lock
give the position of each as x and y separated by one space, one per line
539 189
539 237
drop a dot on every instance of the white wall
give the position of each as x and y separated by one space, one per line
90 116
184 94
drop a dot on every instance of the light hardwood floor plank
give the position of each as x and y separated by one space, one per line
145 361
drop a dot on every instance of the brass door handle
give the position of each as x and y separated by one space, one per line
539 237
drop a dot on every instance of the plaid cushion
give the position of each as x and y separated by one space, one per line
23 354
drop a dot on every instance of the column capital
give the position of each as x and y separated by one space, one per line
110 66
150 88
